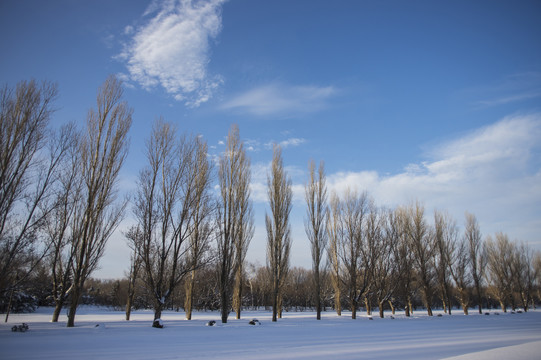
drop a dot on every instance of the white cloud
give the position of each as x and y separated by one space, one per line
280 99
172 49
494 172
291 142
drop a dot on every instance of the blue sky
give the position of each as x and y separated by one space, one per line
410 100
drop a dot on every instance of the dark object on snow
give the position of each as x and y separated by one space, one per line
512 312
487 313
496 313
158 324
519 312
392 317
440 315
211 323
254 322
370 318
20 328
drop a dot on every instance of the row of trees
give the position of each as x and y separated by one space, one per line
58 189
59 205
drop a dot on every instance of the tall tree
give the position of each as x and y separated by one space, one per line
61 226
172 191
353 242
203 215
104 147
445 239
499 254
315 193
335 233
385 273
477 253
278 228
404 261
460 270
234 218
421 244
28 171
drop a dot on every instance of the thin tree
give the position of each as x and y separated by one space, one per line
244 233
28 172
278 228
404 262
203 215
135 236
385 272
477 252
61 225
353 242
104 147
315 193
170 191
460 270
499 254
234 217
334 233
421 245
445 238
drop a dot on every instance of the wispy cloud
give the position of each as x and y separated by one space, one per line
494 172
172 49
281 99
512 89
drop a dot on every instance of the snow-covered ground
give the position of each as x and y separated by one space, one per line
296 336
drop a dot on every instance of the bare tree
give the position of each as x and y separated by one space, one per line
315 192
135 242
234 219
60 227
421 245
404 261
244 233
385 266
104 147
499 261
172 193
28 165
203 215
445 239
355 278
523 273
477 255
334 233
460 270
278 228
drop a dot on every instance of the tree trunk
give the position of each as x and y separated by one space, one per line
57 310
75 296
380 305
391 305
465 308
504 308
188 301
225 306
318 295
337 303
368 305
353 306
478 293
280 308
9 305
237 297
158 310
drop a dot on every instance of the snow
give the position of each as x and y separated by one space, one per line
297 336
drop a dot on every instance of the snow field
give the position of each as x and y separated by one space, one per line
297 336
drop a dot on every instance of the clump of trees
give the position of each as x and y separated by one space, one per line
59 205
